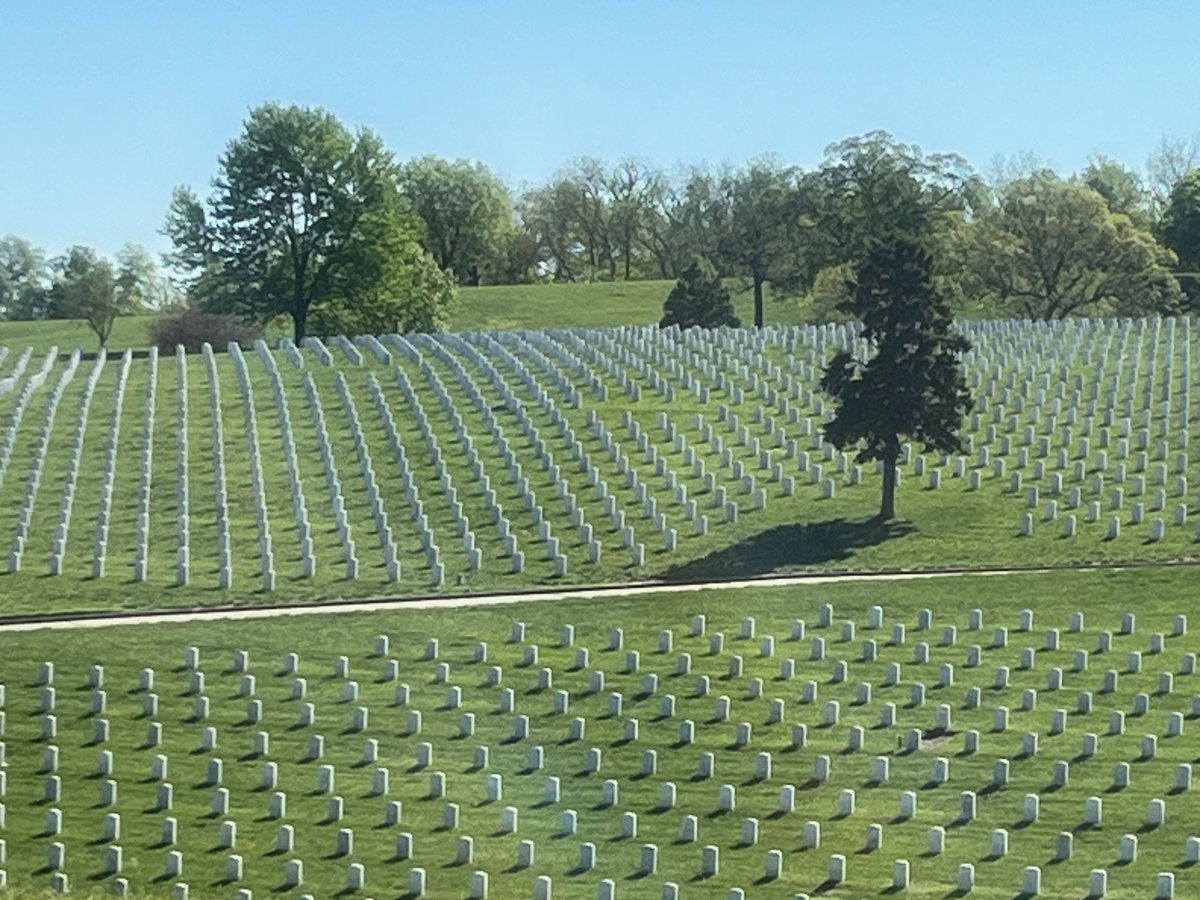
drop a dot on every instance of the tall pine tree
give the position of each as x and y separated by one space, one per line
908 385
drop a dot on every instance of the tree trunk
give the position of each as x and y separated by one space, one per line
887 506
299 323
758 301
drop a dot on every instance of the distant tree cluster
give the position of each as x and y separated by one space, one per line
79 284
1026 241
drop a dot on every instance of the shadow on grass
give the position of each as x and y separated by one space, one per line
791 546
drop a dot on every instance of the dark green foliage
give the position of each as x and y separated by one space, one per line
1180 230
910 386
759 236
699 300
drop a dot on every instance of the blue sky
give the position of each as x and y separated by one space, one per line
107 106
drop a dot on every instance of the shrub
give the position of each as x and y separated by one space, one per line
194 327
699 299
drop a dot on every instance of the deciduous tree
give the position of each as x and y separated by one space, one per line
1121 188
305 220
1180 230
1051 248
1172 159
24 280
86 286
758 237
467 213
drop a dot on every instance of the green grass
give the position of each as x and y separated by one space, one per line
1155 596
952 525
601 304
67 334
492 307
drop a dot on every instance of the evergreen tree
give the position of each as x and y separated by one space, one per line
699 299
908 385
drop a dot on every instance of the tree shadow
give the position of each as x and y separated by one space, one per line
790 546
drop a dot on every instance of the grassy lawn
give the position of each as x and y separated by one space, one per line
527 306
492 307
1156 596
67 334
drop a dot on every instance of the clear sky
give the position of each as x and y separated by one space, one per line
106 106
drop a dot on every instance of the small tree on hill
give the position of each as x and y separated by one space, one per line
87 286
699 299
909 384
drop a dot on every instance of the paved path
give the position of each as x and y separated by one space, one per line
463 600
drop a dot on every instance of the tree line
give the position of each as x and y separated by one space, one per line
1025 241
315 223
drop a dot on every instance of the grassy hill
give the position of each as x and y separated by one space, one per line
493 307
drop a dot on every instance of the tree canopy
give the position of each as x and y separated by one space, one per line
305 220
758 235
310 220
1049 248
1180 230
1121 188
467 213
87 286
24 280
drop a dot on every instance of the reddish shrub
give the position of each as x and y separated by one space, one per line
194 327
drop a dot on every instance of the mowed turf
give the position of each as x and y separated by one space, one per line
486 308
954 524
1154 596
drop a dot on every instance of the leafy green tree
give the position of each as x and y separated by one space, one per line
831 291
572 217
757 237
699 300
688 216
414 297
547 217
467 212
138 278
1121 189
305 220
596 221
1180 231
910 384
870 187
87 287
1051 248
24 280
